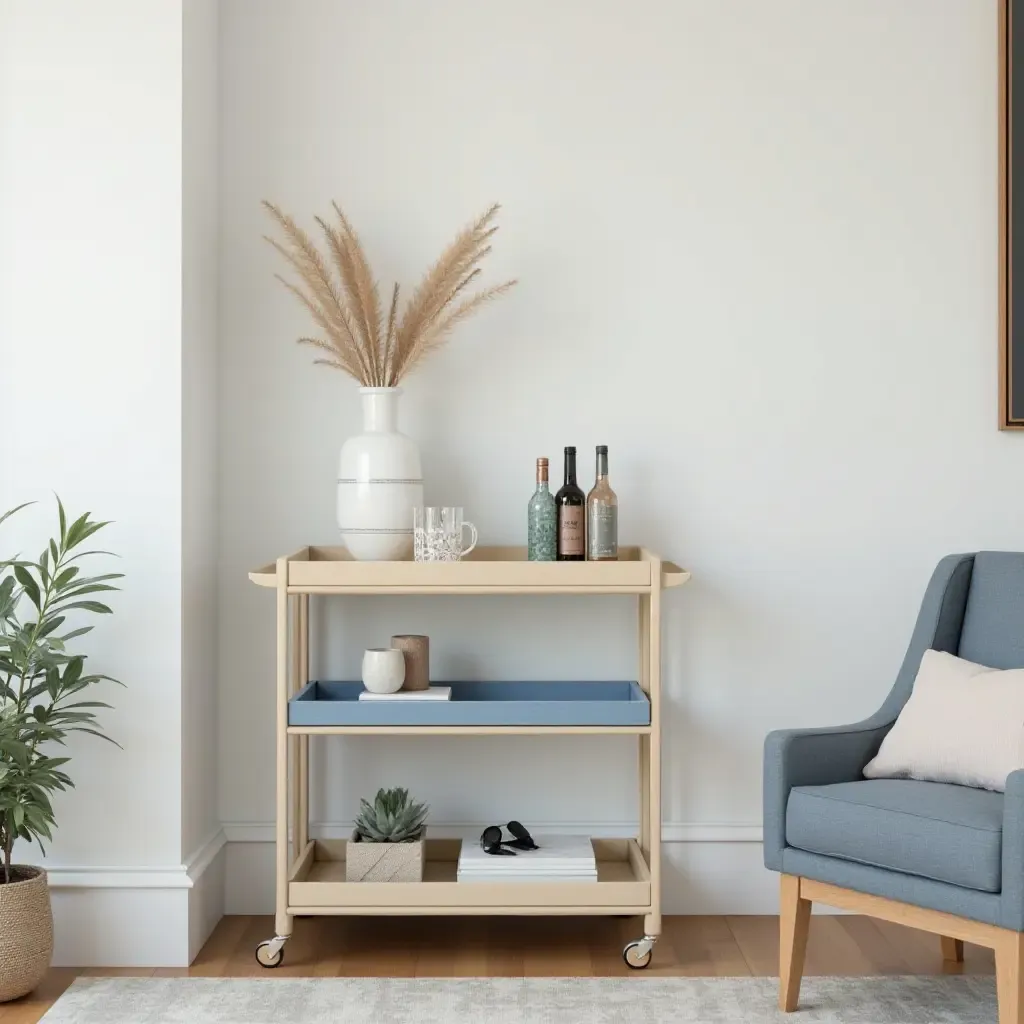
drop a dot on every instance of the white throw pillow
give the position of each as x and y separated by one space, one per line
963 723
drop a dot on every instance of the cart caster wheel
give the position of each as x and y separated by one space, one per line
270 953
637 955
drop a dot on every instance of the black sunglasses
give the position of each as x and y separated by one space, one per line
491 841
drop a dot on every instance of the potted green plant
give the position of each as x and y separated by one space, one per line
42 686
387 844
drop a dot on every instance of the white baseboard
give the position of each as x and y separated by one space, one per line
206 870
129 916
707 868
119 926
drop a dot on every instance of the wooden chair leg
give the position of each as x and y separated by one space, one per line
794 920
952 949
1010 978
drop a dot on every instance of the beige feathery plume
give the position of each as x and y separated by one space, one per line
389 339
438 334
356 337
360 284
440 281
322 298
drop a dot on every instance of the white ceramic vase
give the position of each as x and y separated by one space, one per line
380 482
383 669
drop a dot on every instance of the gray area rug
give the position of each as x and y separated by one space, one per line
890 1000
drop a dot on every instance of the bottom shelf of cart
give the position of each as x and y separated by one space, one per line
317 886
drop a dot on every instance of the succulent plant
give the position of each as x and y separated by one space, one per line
392 818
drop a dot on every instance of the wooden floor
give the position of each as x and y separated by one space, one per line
473 946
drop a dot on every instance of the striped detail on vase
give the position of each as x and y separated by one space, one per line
350 480
369 531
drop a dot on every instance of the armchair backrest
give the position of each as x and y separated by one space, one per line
973 608
993 627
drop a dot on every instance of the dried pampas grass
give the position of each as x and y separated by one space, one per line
341 295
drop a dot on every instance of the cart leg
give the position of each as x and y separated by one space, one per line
644 742
650 640
298 745
283 920
653 923
303 815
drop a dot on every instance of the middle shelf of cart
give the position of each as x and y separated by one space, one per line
531 706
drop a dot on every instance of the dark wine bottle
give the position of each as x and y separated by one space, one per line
571 504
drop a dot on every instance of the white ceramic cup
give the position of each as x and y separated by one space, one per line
383 669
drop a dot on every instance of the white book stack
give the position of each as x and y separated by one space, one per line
561 858
432 693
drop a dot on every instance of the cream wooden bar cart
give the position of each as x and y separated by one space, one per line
310 874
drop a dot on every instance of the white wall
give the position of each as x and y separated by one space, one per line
757 247
90 351
93 376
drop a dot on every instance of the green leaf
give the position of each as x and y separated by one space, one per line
49 626
28 584
73 534
34 691
93 528
6 591
66 576
95 588
96 678
86 554
63 519
89 606
73 671
81 631
7 515
54 554
17 751
96 732
81 529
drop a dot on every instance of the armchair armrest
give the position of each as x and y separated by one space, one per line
811 757
1013 852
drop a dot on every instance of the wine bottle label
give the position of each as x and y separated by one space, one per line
570 530
603 531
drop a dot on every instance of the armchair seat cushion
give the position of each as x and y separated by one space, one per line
930 829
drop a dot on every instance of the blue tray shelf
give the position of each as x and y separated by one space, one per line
474 703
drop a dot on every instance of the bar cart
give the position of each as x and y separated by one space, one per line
310 874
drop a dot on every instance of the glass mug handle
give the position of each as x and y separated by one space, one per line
472 543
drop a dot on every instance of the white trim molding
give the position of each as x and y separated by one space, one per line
202 857
130 876
120 877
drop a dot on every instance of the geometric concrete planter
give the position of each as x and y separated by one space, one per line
384 862
26 932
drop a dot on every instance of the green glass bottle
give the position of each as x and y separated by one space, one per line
543 520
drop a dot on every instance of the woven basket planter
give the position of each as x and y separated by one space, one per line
26 932
383 862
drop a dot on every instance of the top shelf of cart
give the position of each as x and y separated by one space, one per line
487 570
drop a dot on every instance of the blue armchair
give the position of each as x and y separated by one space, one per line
944 858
